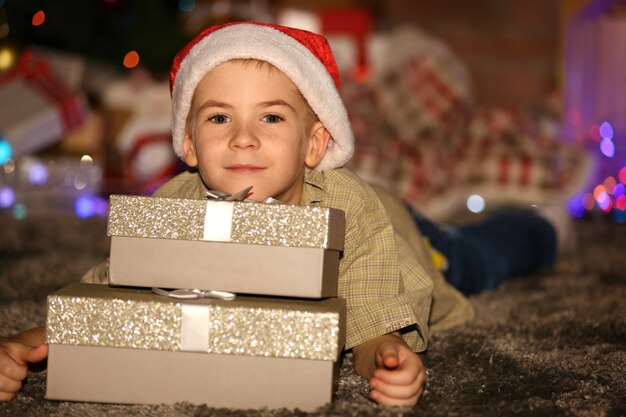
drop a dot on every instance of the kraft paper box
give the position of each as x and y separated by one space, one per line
122 345
241 247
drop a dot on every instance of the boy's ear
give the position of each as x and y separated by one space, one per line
189 151
318 142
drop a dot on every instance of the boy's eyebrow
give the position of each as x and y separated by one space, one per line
277 102
213 103
269 103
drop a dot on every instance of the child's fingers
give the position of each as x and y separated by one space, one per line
14 358
387 356
7 396
409 369
392 394
36 354
396 391
395 376
13 368
9 368
9 386
384 399
13 371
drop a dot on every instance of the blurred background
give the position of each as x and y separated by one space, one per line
458 107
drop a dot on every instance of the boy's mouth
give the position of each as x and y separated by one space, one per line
244 169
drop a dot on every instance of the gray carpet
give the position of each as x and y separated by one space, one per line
550 345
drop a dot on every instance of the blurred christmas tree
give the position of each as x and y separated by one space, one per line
99 29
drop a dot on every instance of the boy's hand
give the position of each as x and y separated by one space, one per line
15 355
399 376
396 373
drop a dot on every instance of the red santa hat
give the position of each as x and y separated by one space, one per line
302 56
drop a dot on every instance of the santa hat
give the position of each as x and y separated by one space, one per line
304 57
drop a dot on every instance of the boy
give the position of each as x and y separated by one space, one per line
257 104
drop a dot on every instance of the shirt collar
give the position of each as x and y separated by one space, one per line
313 191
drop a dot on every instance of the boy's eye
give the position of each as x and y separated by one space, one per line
272 118
219 118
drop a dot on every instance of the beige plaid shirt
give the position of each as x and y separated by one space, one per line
385 273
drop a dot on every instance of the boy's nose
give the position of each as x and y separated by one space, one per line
244 138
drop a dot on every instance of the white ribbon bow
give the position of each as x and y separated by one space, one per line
240 196
193 294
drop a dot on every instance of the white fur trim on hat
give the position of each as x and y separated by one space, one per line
306 71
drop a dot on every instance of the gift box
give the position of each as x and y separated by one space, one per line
40 107
122 345
241 247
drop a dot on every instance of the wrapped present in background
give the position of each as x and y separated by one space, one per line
409 115
38 106
45 111
419 134
421 86
242 247
138 110
508 157
133 346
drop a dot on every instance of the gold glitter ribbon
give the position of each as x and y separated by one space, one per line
252 223
99 315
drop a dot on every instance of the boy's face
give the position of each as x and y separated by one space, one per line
248 126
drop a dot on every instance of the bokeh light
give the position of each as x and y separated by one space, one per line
619 190
476 204
594 132
19 211
598 191
38 174
87 206
589 202
605 202
607 147
619 216
86 160
606 130
609 184
622 175
102 207
84 206
131 59
6 151
80 181
186 5
39 18
9 166
620 203
575 207
7 58
7 197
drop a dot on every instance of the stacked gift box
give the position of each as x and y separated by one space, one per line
169 327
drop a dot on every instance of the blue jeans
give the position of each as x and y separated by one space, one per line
508 244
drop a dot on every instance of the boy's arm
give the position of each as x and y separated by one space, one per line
395 373
16 353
